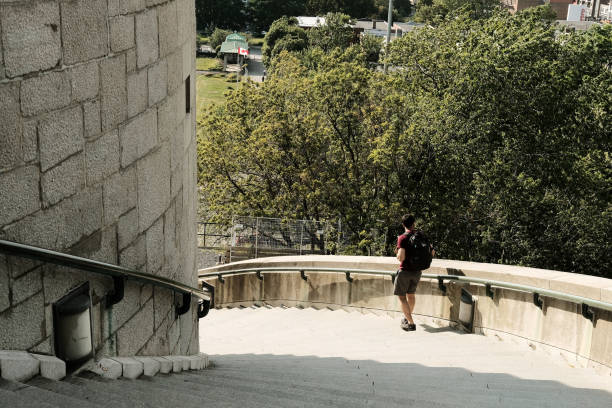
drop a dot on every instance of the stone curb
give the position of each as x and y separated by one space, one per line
21 366
134 367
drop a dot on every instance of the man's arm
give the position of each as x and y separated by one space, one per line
401 254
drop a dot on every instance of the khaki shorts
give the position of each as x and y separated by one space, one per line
406 282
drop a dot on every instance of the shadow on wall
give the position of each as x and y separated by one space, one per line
287 380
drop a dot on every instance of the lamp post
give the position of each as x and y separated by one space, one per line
389 22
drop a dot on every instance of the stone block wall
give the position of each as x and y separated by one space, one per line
98 159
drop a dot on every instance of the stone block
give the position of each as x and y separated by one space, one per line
165 365
174 334
138 96
168 30
146 291
177 141
102 157
153 187
163 303
127 228
122 312
177 363
194 362
10 126
138 137
90 205
175 71
23 326
63 180
150 365
18 365
24 198
154 2
135 255
155 246
45 93
51 367
117 7
113 80
84 30
135 333
107 368
147 48
121 33
46 347
120 191
158 82
60 136
27 285
131 368
168 116
29 141
85 80
130 60
30 37
4 284
205 360
91 119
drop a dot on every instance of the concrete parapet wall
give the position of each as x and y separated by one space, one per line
98 159
558 328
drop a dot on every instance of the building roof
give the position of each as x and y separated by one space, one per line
310 22
232 43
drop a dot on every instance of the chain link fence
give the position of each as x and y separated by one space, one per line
257 237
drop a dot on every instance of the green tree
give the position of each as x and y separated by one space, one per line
435 11
262 13
371 46
336 32
354 8
210 14
284 35
217 37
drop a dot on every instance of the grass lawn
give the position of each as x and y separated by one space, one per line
256 41
210 90
208 64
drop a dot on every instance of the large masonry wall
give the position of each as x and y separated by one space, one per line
97 158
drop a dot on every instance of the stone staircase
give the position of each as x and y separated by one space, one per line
287 357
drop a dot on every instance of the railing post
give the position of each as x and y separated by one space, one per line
116 295
490 292
303 276
537 300
441 285
184 308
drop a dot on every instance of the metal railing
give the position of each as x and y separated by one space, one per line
586 303
117 273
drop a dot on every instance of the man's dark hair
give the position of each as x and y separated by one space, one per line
408 220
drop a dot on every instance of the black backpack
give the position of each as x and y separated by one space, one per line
418 251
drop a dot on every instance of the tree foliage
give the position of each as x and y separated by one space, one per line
436 11
335 33
495 132
228 14
284 35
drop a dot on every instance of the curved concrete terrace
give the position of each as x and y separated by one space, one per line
558 327
288 357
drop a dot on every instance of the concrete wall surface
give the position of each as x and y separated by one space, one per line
98 159
558 328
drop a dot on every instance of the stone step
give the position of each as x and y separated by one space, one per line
98 398
43 396
12 399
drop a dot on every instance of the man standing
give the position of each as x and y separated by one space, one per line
407 278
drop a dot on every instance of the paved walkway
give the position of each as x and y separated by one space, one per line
335 358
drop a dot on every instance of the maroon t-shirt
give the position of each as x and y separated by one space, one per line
402 242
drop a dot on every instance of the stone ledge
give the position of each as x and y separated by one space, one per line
134 367
21 366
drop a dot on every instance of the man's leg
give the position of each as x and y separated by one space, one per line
411 302
406 308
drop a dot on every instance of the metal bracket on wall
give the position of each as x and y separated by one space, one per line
303 276
587 312
348 277
116 295
393 278
220 277
537 300
203 308
490 292
441 285
184 308
259 275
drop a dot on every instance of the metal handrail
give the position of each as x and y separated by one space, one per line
118 273
488 283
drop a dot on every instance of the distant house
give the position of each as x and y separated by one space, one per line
599 8
234 49
307 22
